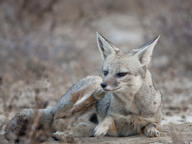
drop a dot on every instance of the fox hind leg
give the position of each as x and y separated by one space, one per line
82 127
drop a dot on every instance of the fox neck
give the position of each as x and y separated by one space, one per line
127 95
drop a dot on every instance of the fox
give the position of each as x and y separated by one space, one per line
131 104
123 102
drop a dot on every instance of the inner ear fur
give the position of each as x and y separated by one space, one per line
145 52
106 47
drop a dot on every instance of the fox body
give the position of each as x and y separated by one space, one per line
123 102
131 100
131 104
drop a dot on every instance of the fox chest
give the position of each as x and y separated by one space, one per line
123 105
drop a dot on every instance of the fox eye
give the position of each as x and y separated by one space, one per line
105 73
121 74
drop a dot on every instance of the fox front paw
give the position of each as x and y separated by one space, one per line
101 130
151 132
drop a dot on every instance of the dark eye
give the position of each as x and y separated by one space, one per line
105 73
121 74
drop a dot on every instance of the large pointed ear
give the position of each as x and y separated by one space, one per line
106 48
145 52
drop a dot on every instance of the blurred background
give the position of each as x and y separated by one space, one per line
48 45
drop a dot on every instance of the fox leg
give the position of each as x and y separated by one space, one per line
82 127
132 124
120 125
115 125
106 126
125 125
80 97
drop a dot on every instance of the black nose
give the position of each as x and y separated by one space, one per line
103 85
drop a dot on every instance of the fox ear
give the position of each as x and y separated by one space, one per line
145 52
106 48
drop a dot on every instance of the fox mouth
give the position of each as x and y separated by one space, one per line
105 89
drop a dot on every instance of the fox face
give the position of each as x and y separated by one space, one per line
124 71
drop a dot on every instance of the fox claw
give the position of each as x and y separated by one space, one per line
151 132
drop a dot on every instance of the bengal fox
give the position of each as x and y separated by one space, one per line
131 103
123 102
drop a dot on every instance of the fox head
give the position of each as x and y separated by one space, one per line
124 71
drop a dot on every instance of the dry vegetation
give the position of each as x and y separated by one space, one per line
47 45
